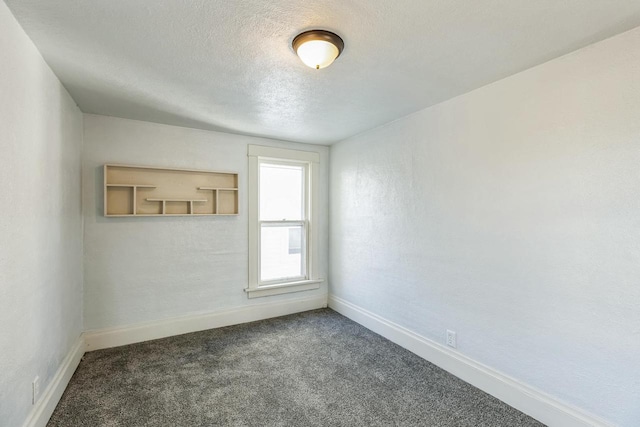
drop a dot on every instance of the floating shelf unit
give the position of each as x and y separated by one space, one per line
150 191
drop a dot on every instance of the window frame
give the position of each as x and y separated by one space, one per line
310 161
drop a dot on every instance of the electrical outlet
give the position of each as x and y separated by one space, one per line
35 387
451 338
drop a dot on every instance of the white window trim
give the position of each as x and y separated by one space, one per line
256 154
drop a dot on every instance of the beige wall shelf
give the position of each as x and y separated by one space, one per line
150 191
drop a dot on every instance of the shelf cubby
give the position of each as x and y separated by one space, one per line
150 191
226 199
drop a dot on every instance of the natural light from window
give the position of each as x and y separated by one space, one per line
282 222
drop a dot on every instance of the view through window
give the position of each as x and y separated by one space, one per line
283 221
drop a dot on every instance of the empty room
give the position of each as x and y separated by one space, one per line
330 213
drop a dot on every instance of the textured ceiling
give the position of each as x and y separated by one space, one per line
228 65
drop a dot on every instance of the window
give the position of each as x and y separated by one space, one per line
282 229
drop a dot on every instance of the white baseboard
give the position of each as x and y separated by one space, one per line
114 337
41 412
527 399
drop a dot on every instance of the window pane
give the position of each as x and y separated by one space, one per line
281 192
281 254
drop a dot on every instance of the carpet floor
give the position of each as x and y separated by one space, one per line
310 369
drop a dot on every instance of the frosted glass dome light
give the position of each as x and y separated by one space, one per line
318 48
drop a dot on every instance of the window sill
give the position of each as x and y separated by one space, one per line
283 288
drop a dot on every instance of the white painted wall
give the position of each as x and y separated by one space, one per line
146 269
40 224
511 215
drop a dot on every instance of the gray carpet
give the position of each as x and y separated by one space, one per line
311 369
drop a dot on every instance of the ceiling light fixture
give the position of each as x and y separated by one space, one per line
318 48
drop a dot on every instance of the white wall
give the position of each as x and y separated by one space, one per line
145 269
511 215
40 224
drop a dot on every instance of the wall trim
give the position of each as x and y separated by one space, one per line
43 409
114 337
521 396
